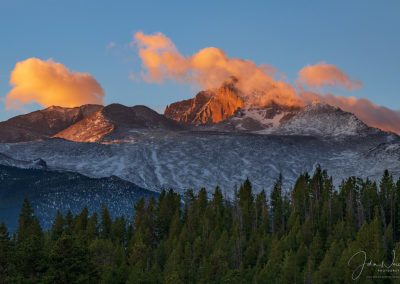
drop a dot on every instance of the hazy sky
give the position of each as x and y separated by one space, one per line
360 37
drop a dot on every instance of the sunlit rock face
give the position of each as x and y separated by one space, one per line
207 107
43 123
90 129
116 121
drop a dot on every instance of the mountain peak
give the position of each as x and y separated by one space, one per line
317 119
321 107
262 120
42 124
66 109
326 120
115 122
207 107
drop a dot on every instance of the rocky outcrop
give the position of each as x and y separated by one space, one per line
43 123
116 120
207 107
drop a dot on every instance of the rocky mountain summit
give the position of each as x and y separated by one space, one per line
116 121
317 119
212 139
44 123
207 107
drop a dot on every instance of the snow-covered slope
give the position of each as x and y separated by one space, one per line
33 164
154 152
312 120
192 159
261 120
324 120
49 191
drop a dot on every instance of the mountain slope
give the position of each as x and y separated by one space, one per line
223 109
256 119
43 123
33 164
116 121
313 120
325 120
50 191
216 110
207 107
193 159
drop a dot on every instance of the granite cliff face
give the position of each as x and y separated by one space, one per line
207 107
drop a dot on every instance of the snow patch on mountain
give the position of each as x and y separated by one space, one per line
258 117
324 120
260 120
313 120
194 159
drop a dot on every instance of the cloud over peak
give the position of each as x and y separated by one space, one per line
210 67
323 74
48 83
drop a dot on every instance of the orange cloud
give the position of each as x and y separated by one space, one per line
323 74
211 67
50 83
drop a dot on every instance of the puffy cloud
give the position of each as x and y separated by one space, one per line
50 83
161 58
209 68
323 74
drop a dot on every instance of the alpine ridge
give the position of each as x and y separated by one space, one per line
43 123
116 122
212 139
317 119
207 107
221 109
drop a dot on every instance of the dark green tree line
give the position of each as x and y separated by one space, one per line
305 235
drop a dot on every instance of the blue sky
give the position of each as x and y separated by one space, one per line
360 37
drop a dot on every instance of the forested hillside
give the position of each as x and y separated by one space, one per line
312 234
50 190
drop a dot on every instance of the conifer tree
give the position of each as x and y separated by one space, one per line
92 230
277 207
70 262
29 255
387 195
58 226
105 223
327 269
246 206
5 253
81 222
271 272
307 236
